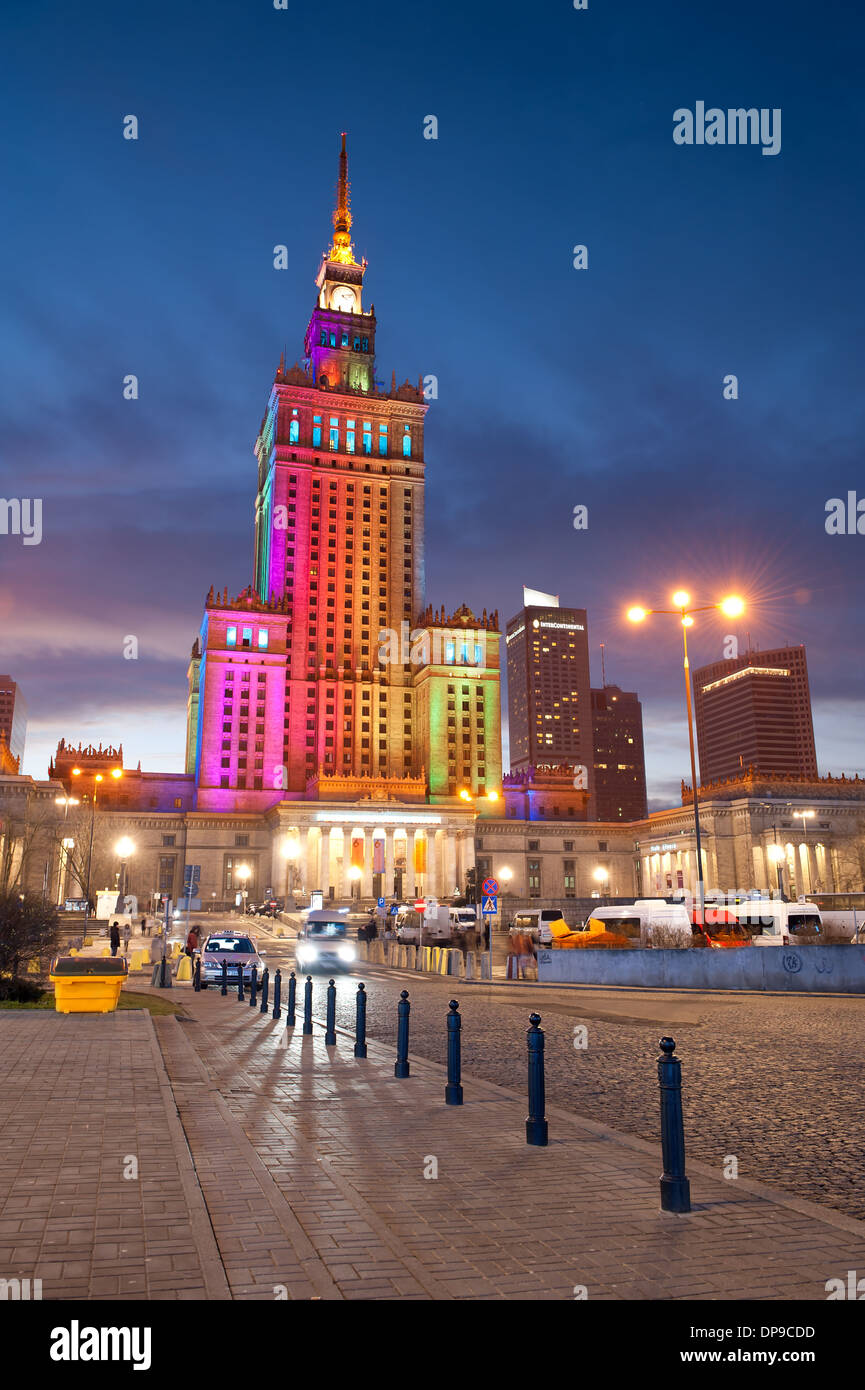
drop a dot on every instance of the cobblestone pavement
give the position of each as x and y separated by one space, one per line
364 1186
776 1081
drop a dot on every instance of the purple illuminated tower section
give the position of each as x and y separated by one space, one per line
339 557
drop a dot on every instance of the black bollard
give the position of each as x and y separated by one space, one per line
224 989
307 1006
400 1066
239 983
675 1188
453 1090
330 1020
292 997
253 987
277 992
360 1023
196 975
537 1131
265 989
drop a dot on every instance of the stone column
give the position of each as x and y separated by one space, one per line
387 889
450 862
366 880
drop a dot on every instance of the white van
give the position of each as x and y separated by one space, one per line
646 922
776 923
435 926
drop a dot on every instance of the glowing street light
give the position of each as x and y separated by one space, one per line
243 872
602 877
778 854
732 606
124 848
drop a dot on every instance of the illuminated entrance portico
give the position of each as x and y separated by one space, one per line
371 850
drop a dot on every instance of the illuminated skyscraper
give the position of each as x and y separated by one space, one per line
619 781
315 681
549 702
755 711
13 717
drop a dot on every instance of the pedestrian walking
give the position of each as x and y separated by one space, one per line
145 929
371 928
127 932
192 942
470 940
114 938
156 946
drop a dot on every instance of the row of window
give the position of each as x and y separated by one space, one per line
359 342
349 430
246 637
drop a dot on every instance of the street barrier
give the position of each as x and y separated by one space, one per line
292 998
239 983
675 1188
184 969
360 1023
277 991
537 1131
307 1006
330 1021
470 965
196 978
401 1067
253 988
265 990
453 1089
224 985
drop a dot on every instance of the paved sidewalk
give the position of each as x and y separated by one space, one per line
81 1095
313 1178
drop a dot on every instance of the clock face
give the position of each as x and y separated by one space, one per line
342 299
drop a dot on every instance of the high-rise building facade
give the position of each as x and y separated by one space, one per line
13 718
619 763
754 711
315 681
549 701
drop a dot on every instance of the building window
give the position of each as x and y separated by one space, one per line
168 841
334 434
231 637
382 440
241 841
316 431
166 874
406 443
367 437
349 436
247 637
294 429
534 878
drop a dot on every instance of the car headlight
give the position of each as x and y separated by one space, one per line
346 952
306 953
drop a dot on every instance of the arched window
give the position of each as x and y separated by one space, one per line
406 443
294 428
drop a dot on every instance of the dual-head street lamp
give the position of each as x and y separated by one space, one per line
732 607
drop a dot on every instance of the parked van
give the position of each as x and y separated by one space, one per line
647 922
435 923
772 922
538 921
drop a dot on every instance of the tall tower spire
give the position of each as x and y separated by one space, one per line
341 251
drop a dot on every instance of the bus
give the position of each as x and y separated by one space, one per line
843 914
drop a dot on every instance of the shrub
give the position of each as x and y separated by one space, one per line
19 991
29 931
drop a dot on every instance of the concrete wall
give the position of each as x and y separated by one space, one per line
806 969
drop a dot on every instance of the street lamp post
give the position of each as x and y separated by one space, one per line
66 843
116 772
602 876
243 873
731 607
776 854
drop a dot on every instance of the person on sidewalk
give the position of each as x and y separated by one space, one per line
127 932
371 928
470 940
156 946
114 938
145 930
192 942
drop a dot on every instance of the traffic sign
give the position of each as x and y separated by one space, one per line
420 905
490 886
381 902
490 906
191 874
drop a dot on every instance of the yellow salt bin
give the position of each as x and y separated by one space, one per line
87 984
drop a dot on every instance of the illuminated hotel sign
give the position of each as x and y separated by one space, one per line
746 671
661 849
516 632
569 627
